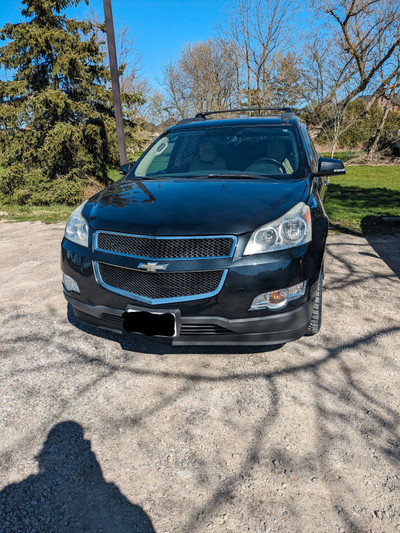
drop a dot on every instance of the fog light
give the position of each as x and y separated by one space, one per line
70 284
279 298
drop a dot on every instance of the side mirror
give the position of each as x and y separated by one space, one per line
124 169
330 167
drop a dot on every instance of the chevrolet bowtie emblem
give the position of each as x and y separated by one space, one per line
152 267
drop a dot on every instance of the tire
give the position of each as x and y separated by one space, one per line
316 317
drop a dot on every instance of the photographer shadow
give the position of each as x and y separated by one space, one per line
69 493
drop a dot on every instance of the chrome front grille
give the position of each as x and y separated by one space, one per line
160 287
165 247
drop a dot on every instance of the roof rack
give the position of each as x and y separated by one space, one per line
205 114
187 120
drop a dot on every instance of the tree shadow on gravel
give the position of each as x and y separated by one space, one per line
349 274
388 249
69 494
350 416
344 408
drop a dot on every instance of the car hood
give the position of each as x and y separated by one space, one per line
192 206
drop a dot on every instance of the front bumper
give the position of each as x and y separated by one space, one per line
211 330
220 319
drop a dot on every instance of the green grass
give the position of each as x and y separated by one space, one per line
136 155
357 201
46 213
343 156
113 173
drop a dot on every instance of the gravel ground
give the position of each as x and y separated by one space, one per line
101 433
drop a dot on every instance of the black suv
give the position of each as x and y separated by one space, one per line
216 235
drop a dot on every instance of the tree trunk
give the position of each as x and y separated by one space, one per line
374 145
333 150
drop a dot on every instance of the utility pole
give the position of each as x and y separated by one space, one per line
112 54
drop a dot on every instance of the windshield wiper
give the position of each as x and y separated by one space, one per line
157 176
219 176
241 175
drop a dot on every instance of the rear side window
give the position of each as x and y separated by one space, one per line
311 152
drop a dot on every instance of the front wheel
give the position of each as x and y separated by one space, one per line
316 317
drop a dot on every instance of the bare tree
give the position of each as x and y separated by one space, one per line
133 84
350 55
135 89
177 88
341 120
203 78
366 34
260 32
387 100
321 74
286 81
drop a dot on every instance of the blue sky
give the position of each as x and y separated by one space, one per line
160 27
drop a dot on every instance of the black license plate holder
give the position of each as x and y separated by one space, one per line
151 323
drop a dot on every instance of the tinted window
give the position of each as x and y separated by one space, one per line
311 152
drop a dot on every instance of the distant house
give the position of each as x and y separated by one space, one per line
383 101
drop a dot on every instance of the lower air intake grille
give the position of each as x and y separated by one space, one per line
204 329
160 285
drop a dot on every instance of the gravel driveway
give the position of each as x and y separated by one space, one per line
107 435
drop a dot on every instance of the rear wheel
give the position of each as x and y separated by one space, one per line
316 318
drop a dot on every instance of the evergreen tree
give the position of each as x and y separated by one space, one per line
57 129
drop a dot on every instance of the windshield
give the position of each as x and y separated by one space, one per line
232 151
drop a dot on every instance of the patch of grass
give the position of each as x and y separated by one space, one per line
136 155
343 156
357 201
49 214
113 173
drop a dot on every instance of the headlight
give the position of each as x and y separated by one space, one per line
77 228
291 229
